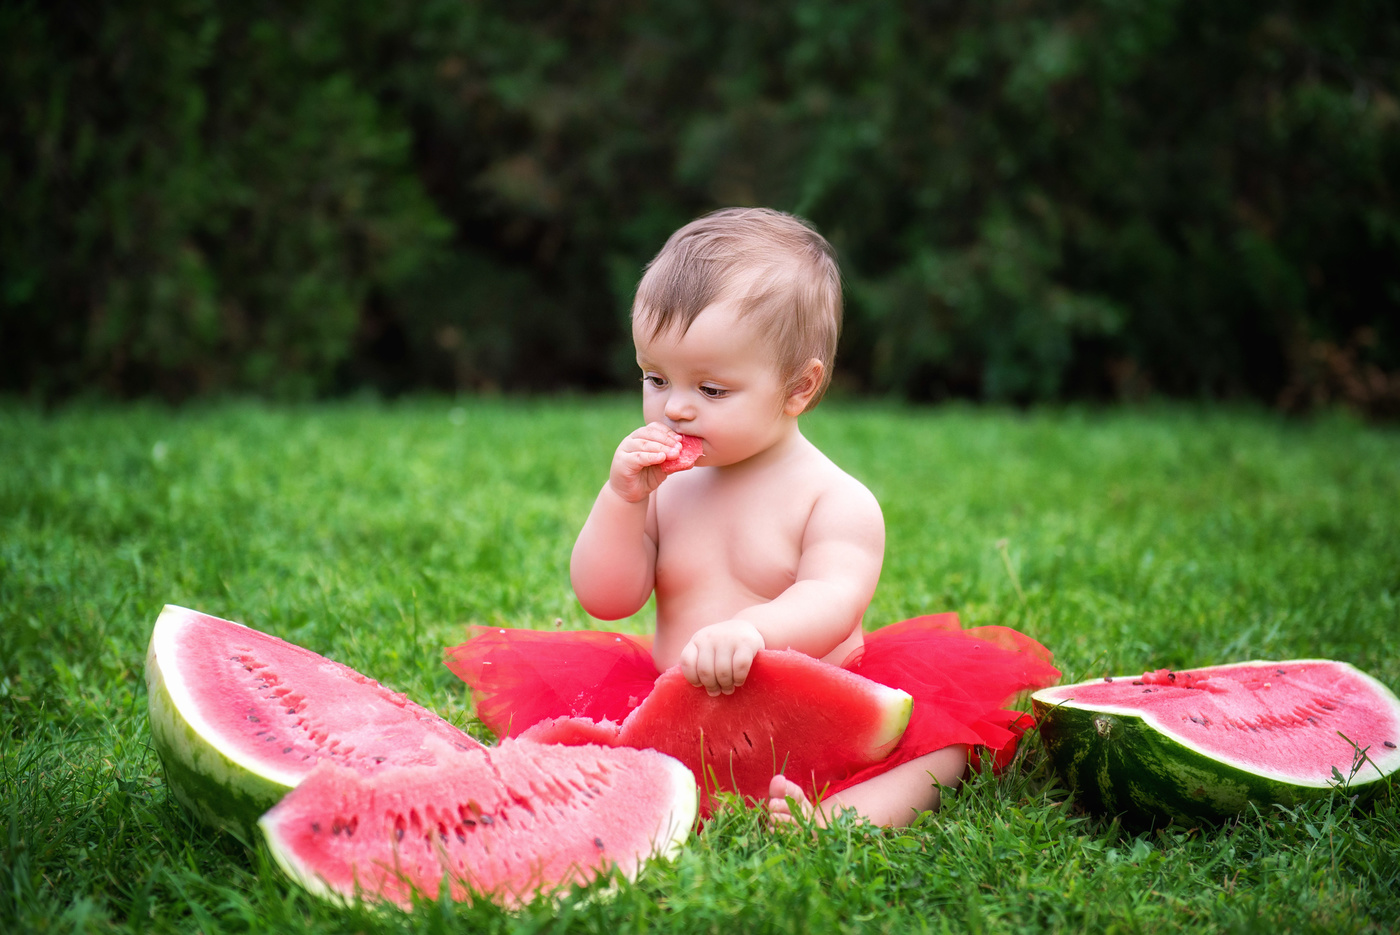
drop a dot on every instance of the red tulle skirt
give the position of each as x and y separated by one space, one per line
959 680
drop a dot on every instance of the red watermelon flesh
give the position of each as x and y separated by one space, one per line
238 717
1290 721
507 822
809 720
690 453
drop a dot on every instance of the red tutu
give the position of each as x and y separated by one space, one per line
959 680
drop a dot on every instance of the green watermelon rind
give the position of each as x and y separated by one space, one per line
1122 761
219 787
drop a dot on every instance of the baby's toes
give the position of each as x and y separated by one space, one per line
780 791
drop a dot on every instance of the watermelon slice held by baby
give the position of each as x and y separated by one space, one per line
794 715
690 453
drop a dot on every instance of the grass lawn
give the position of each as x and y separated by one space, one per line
1123 540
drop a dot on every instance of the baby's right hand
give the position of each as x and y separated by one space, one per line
635 473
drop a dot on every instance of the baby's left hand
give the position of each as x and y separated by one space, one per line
718 657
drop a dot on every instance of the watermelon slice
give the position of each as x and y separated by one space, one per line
812 721
1204 743
239 718
511 822
690 453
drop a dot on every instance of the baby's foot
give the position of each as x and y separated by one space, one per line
780 791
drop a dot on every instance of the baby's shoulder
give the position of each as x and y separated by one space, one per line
835 487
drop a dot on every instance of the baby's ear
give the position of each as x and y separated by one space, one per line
804 388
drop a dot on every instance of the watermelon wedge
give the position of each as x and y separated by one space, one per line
510 823
812 721
239 718
1202 744
690 453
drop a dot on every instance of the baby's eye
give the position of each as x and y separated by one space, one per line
655 380
713 392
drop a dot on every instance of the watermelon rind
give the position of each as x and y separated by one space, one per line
1124 761
209 777
899 707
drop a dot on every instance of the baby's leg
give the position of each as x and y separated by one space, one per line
892 799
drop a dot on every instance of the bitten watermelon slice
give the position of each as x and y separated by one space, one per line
239 718
812 721
511 822
1204 743
690 453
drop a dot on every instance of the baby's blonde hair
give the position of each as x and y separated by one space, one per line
779 268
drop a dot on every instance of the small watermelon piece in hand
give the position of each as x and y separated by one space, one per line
690 453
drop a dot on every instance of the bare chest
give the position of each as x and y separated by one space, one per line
725 546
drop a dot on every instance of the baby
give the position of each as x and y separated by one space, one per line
765 544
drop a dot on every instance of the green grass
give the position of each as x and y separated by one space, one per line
1123 540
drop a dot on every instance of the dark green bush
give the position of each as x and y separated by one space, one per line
1032 199
197 196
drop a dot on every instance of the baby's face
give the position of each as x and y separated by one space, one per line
718 381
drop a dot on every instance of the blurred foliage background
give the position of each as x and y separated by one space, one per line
1033 200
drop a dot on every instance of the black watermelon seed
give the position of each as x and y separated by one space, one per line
1147 691
487 820
291 710
1108 678
254 719
1389 744
315 827
1278 672
1139 682
1171 676
598 843
379 759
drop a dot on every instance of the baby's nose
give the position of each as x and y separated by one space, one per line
679 408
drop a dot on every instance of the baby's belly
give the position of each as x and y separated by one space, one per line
680 612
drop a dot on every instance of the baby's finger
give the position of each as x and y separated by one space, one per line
705 670
635 443
743 662
655 431
689 656
724 673
647 457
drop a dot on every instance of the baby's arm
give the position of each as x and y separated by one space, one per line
613 566
843 547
